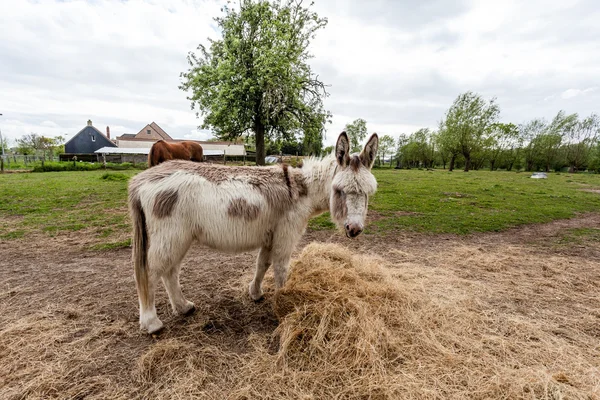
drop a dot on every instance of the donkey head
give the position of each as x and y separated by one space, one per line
352 184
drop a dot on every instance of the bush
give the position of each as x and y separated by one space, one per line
108 176
66 166
84 166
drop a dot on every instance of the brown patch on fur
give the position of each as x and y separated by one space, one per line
286 176
355 163
340 210
281 191
302 187
164 203
268 244
240 208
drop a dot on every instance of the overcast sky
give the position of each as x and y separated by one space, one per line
397 64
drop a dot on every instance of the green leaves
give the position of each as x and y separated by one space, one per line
467 124
357 132
256 77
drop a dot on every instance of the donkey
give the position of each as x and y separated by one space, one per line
239 209
162 151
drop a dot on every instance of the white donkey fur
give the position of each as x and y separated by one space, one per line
239 209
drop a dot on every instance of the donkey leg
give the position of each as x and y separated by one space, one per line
178 302
281 265
289 231
148 318
262 265
170 277
163 254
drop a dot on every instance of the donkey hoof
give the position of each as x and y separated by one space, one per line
152 326
256 294
188 308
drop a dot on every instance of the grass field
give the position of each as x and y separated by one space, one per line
425 305
424 201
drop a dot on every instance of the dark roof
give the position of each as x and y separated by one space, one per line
88 140
126 136
96 131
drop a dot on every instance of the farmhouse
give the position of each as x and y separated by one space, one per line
141 141
88 140
144 138
152 133
90 145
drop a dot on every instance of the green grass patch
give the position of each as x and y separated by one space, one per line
477 201
321 223
407 200
580 236
16 234
108 176
112 245
68 201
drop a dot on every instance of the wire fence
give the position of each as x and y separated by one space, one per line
19 161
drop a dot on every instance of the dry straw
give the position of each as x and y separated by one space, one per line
347 329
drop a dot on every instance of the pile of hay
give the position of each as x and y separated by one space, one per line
349 328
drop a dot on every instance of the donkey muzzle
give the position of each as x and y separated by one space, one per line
353 230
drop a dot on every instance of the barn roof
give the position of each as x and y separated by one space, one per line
92 130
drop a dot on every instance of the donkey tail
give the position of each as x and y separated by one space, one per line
140 249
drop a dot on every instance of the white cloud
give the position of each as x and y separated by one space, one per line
570 93
398 64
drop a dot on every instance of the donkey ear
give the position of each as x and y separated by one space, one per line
342 150
367 157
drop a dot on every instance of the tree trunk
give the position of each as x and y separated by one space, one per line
452 159
467 163
510 165
492 165
259 136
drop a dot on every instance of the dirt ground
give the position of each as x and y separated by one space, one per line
69 322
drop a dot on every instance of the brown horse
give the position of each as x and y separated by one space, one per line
162 151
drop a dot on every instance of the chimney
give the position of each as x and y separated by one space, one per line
89 122
108 132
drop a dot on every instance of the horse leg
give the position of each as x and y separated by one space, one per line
263 262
